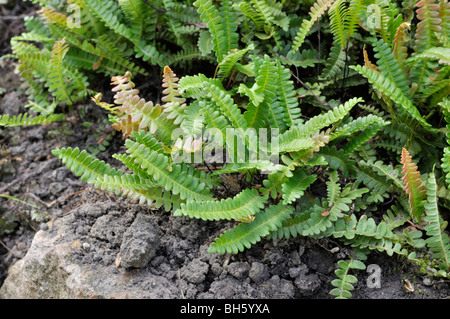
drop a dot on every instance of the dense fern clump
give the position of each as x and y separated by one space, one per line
275 137
82 38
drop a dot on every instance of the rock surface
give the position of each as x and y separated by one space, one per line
51 269
116 249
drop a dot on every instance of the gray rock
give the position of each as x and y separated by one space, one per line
319 261
308 284
238 270
301 270
195 272
110 227
11 103
279 288
258 272
140 242
50 271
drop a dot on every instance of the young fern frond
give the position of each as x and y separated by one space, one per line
413 186
58 74
400 49
246 234
425 38
317 10
430 24
247 203
338 16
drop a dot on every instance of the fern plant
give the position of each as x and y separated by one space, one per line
153 150
257 142
83 38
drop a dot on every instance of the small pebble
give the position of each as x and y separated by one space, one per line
427 282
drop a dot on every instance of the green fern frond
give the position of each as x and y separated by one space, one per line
83 165
356 125
361 139
59 75
338 159
225 67
445 16
267 110
246 234
248 202
250 12
441 54
318 122
261 165
225 103
390 89
335 63
296 185
273 185
192 85
26 120
221 24
445 105
344 283
286 96
149 52
174 177
438 241
355 10
138 189
378 177
317 10
135 13
338 17
229 26
112 17
389 66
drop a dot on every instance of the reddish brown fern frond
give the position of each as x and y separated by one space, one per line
170 83
413 185
126 126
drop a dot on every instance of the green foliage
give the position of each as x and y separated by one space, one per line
345 281
26 120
